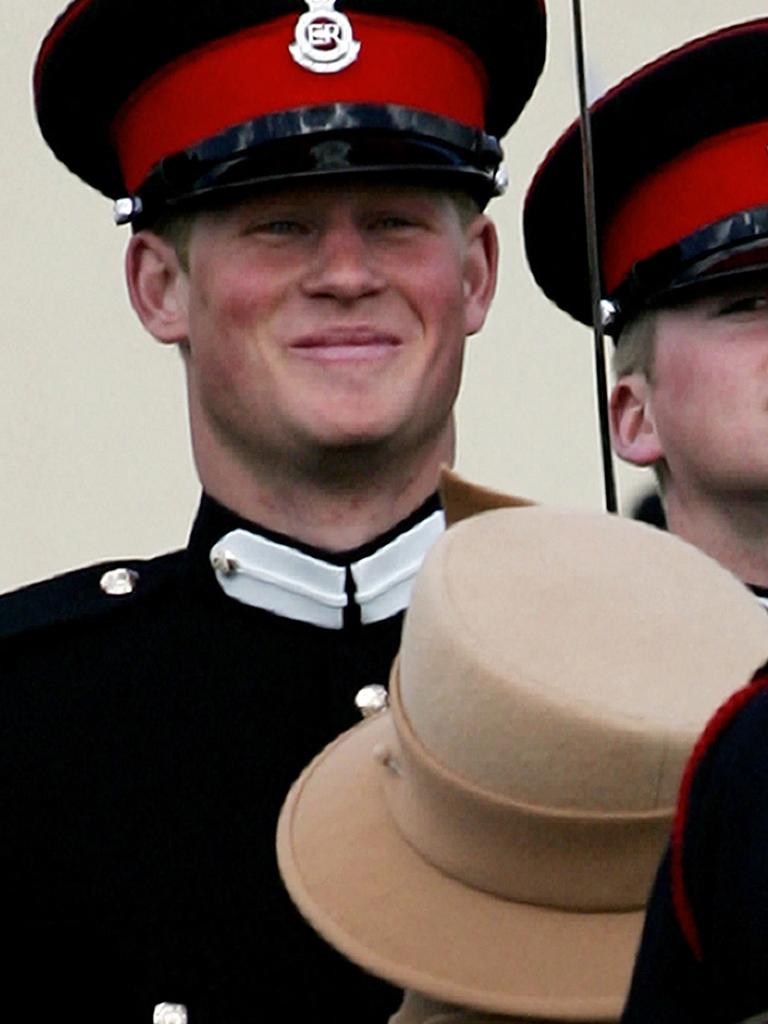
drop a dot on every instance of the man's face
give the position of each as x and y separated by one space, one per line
327 318
708 399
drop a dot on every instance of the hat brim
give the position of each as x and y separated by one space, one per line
368 893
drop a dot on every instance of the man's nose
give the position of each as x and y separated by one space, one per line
344 265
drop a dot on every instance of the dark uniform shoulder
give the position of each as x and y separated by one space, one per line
83 593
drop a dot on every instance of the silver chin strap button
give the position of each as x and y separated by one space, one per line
126 209
501 180
609 310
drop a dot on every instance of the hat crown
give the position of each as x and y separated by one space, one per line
546 661
492 839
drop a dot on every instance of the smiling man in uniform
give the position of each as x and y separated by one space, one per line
305 183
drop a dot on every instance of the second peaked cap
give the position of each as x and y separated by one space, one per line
680 174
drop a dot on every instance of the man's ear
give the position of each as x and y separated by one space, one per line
633 428
157 285
481 266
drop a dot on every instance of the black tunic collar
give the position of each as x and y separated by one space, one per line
269 570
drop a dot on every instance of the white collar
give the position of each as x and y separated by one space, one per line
278 578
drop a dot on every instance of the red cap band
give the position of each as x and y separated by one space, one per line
252 74
715 179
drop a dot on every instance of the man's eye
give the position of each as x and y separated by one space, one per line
276 227
392 222
744 304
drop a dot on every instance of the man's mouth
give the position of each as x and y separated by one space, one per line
346 344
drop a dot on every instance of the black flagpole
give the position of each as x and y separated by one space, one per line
609 482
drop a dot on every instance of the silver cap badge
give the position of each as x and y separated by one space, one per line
170 1013
324 41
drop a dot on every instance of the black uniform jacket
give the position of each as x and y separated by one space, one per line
703 958
147 742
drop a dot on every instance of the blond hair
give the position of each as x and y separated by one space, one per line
176 228
636 346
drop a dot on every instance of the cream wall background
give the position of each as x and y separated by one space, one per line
94 455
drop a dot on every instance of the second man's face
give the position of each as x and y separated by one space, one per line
329 317
709 396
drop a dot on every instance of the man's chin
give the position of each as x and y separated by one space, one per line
352 455
353 434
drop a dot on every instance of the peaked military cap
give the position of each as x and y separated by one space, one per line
158 103
681 181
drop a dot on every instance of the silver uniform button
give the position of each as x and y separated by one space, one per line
170 1013
371 700
118 582
224 562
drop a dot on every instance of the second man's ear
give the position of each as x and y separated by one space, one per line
157 286
633 429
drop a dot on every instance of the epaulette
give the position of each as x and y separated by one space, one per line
95 590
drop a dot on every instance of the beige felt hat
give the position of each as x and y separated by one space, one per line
491 839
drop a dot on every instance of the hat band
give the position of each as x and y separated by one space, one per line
713 180
735 245
569 860
251 74
320 141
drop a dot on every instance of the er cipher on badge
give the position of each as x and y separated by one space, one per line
324 41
